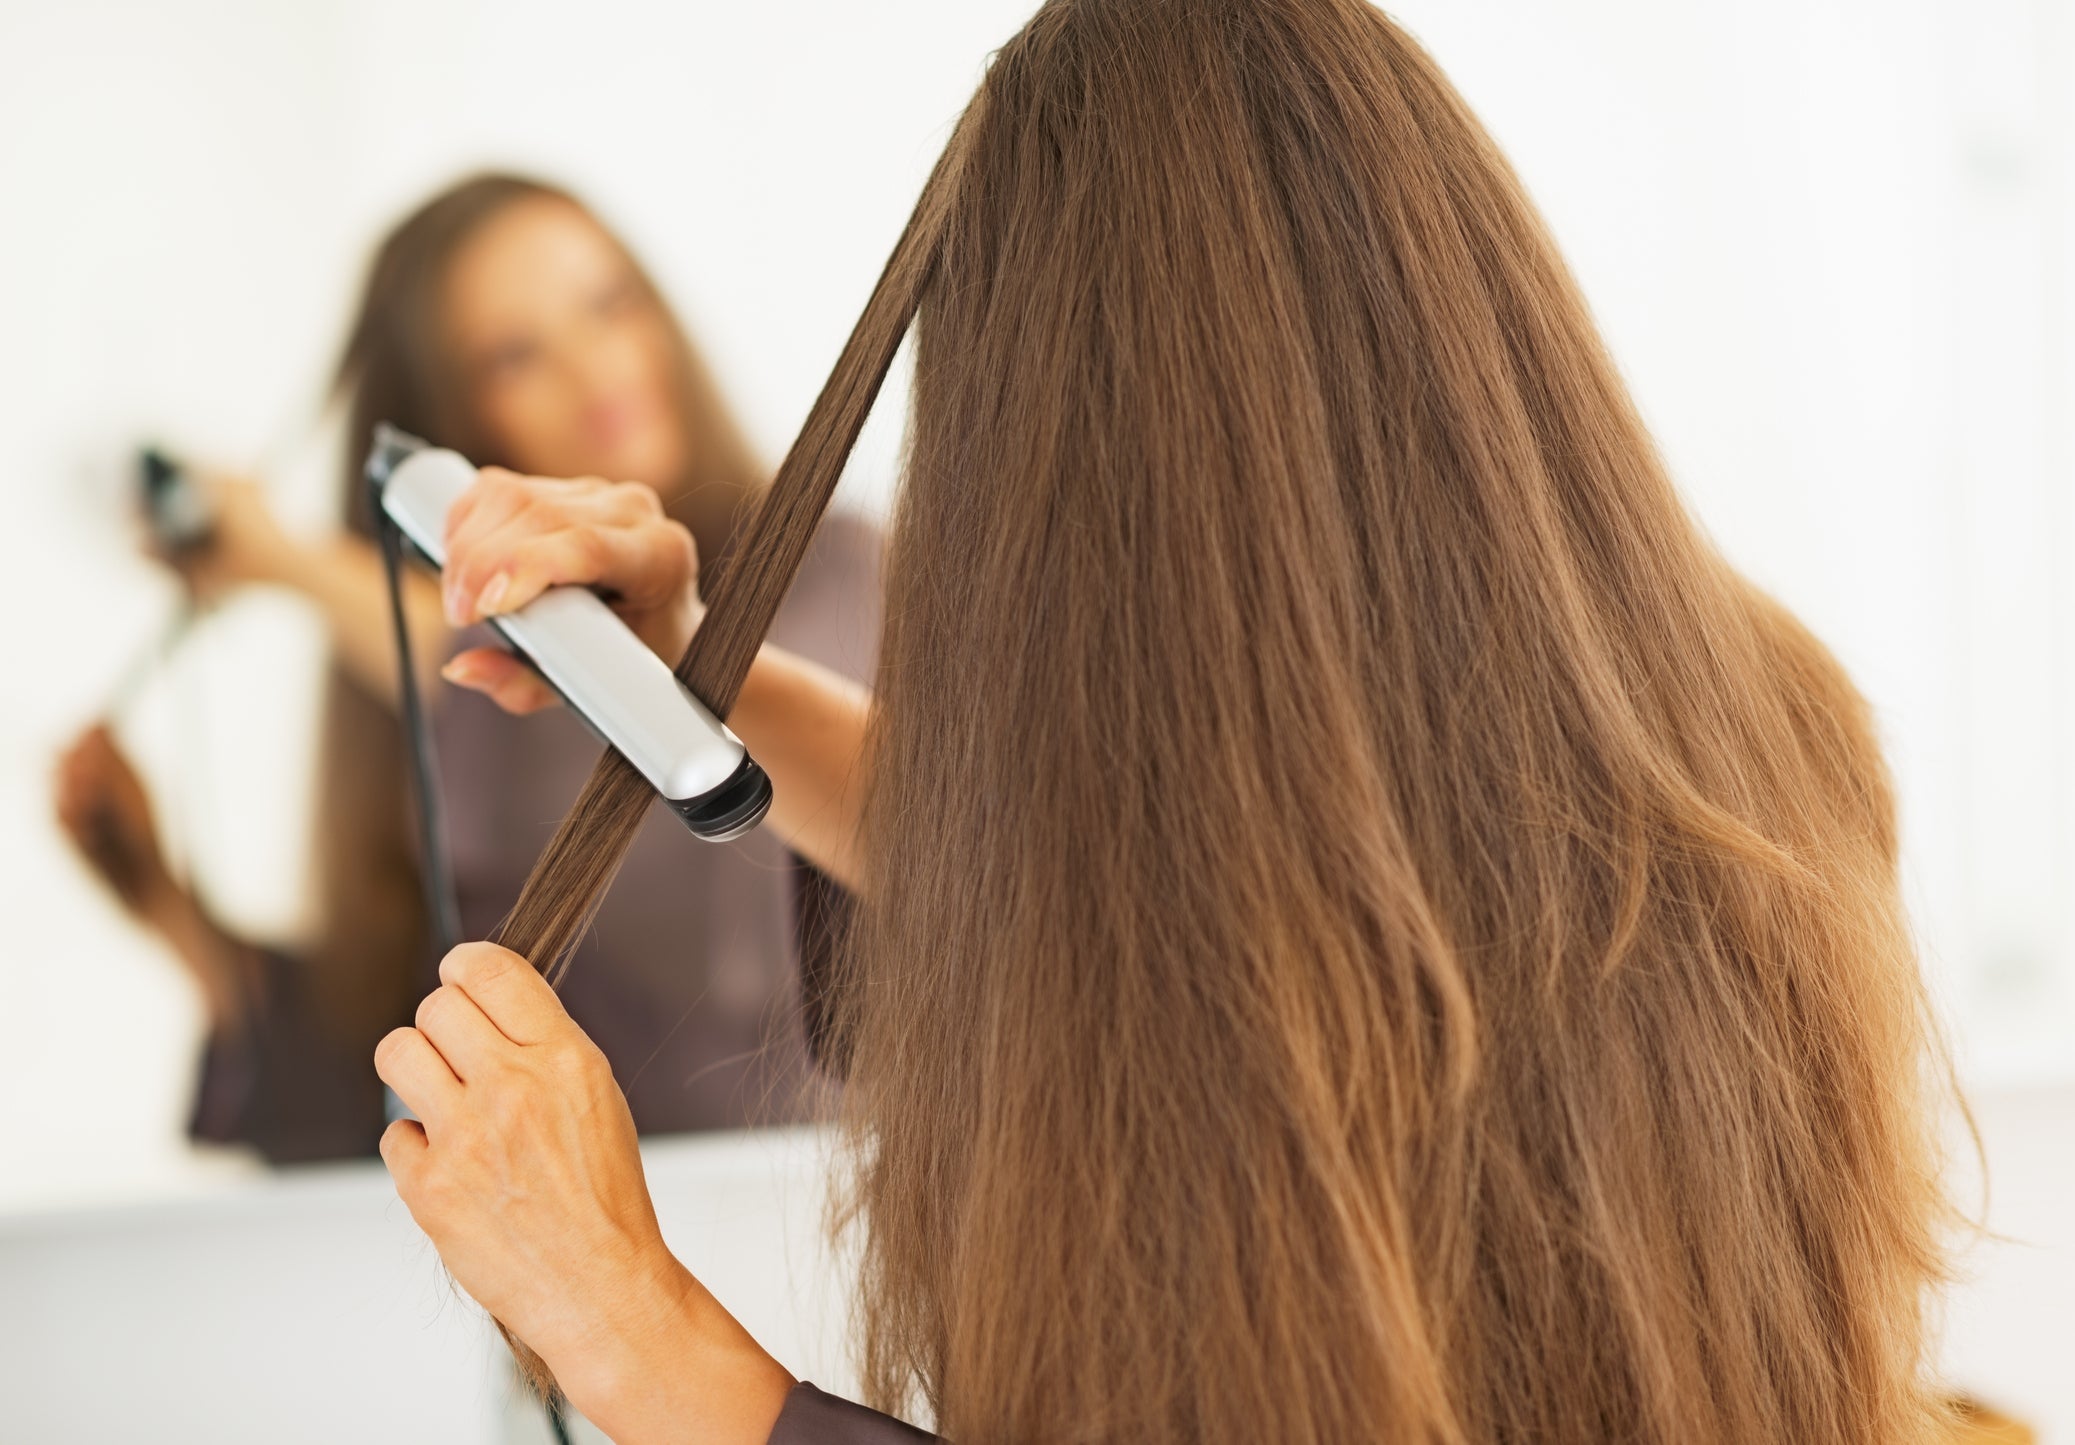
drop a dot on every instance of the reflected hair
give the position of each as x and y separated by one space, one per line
399 366
1370 928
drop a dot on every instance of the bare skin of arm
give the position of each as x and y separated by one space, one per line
342 576
523 1169
511 538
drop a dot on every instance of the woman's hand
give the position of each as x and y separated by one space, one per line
103 808
522 1168
510 538
246 544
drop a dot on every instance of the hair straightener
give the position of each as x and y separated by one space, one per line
176 512
181 524
609 678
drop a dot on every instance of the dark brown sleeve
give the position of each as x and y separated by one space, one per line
812 1418
283 1082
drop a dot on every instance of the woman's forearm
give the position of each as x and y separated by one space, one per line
805 725
344 577
672 1365
225 969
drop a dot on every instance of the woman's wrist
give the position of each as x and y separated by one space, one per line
673 1365
224 969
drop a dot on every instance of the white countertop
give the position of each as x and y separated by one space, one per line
307 1307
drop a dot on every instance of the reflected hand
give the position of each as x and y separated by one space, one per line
103 808
522 1168
510 538
246 544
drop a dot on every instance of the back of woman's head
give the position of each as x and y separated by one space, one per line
1372 930
1375 932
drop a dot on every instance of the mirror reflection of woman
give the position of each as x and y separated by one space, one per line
503 319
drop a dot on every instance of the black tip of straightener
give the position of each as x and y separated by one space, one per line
731 809
156 471
388 451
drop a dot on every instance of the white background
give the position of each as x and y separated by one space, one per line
1828 241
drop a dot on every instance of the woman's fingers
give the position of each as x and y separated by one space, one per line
645 565
471 1044
407 1062
497 493
511 994
500 490
491 1004
501 677
504 512
403 1147
510 538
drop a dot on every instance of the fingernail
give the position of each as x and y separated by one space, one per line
492 594
461 671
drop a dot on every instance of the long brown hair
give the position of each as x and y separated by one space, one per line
1372 930
397 366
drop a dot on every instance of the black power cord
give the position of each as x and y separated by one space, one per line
436 868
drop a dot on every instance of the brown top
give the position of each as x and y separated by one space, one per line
812 1418
687 981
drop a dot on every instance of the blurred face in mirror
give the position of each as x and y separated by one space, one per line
568 358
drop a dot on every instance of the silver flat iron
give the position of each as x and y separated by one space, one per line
609 678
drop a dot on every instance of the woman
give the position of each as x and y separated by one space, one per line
501 318
1369 929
